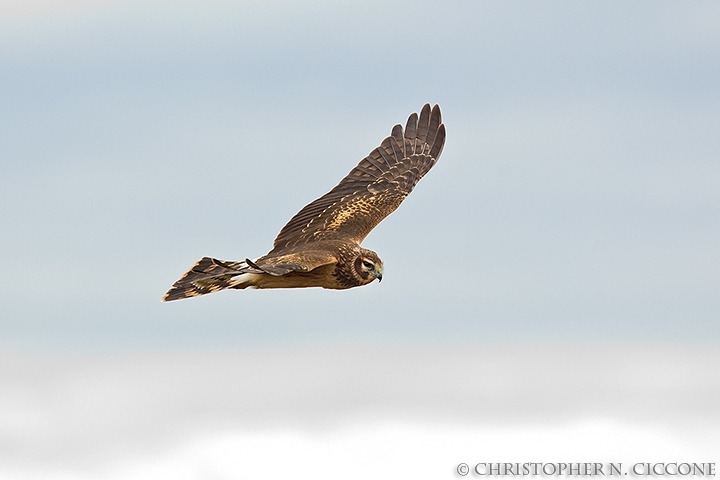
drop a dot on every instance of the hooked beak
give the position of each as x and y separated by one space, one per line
379 277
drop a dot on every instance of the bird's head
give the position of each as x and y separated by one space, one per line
368 266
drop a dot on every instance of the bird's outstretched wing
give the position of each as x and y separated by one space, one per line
295 261
373 189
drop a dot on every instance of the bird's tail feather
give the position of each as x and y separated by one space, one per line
209 275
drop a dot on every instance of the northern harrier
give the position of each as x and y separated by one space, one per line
320 246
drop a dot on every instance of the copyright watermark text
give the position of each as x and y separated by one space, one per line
488 469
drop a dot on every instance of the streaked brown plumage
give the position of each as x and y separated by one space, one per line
320 245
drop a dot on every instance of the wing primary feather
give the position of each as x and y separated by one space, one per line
411 129
439 142
398 152
435 121
397 134
423 124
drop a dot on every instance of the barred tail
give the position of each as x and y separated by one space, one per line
210 275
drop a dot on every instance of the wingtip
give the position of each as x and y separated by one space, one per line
168 297
436 114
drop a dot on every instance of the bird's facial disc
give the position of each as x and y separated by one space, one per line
369 268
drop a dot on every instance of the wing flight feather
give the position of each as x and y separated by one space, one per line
299 261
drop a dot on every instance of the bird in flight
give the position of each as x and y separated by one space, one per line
320 245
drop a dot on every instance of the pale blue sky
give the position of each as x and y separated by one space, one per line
576 199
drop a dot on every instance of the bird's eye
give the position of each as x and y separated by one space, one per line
367 265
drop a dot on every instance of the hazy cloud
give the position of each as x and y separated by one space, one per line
93 411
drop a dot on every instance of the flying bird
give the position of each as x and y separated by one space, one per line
320 245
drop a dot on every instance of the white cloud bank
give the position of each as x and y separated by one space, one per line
354 412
